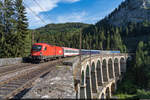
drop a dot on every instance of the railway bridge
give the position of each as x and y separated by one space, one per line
97 75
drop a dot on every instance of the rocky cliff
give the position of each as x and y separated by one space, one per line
130 11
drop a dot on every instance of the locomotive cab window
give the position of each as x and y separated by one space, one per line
36 48
45 48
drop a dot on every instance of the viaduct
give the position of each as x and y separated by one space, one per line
97 76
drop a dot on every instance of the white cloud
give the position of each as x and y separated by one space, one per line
35 22
71 1
73 17
83 17
46 5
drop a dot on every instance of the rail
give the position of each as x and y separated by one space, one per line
14 85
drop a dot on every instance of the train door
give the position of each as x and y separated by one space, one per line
52 50
44 50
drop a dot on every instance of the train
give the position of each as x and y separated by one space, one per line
44 51
88 52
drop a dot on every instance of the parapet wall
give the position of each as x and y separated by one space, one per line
9 61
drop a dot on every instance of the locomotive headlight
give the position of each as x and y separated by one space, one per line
40 53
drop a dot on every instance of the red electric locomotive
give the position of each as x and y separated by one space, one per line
43 51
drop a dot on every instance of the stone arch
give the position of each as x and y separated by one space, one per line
99 73
102 96
88 83
113 88
122 65
93 78
110 68
82 89
116 67
107 93
104 70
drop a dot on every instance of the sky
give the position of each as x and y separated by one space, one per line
43 12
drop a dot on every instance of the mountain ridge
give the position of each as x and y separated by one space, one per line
61 27
130 11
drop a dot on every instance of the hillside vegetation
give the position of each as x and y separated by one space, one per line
15 39
92 37
66 34
58 28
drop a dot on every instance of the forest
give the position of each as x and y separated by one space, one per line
15 38
66 34
92 36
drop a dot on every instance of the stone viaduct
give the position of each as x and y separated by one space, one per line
99 75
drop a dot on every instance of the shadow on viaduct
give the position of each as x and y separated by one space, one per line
99 75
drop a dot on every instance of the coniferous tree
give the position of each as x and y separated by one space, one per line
8 10
102 39
1 29
108 41
8 22
139 54
141 66
22 34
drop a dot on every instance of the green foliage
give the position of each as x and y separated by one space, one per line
58 28
142 94
142 63
100 36
137 80
14 34
125 96
1 28
66 35
21 30
127 86
104 36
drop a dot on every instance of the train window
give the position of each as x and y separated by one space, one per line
66 51
71 51
45 48
36 48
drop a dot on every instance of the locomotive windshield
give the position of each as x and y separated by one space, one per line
36 48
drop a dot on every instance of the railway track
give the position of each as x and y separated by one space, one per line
14 68
14 85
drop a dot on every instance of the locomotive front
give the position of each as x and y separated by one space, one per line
36 52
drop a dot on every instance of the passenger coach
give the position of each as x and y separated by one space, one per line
70 51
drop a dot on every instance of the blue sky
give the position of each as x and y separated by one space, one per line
62 11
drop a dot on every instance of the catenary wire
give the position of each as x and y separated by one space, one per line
34 13
40 7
